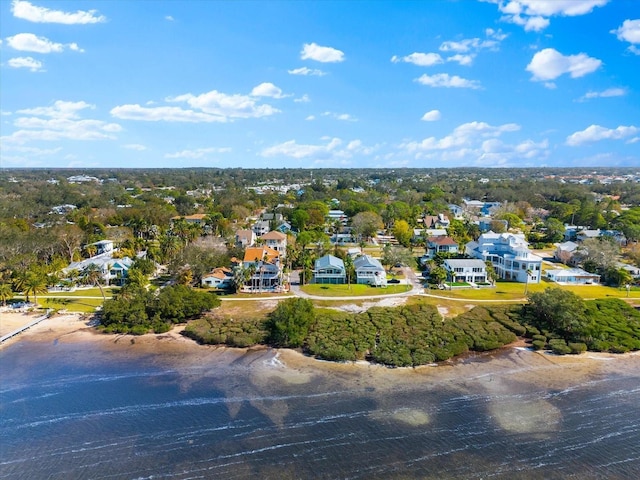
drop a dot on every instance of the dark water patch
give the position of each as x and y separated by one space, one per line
98 415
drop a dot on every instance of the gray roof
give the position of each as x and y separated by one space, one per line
365 261
329 261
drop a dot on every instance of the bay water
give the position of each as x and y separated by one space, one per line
86 410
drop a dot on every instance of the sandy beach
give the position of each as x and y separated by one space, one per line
511 363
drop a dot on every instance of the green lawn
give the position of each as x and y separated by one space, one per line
88 292
515 291
351 290
81 305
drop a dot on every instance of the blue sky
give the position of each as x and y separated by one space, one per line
437 83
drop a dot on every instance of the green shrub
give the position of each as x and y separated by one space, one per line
577 347
539 344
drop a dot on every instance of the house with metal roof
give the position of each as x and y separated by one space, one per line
369 271
329 269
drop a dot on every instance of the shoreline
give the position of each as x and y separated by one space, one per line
173 347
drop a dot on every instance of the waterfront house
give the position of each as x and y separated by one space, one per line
572 276
221 278
565 252
266 269
509 254
369 271
467 270
329 269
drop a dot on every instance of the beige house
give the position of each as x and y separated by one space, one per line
277 241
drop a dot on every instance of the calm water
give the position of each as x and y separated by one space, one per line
71 412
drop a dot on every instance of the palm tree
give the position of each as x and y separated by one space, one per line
93 275
6 293
526 285
35 284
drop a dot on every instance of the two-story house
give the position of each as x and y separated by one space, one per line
245 238
329 269
265 267
440 244
369 271
276 241
468 270
509 254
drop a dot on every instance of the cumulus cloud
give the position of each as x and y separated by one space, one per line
333 150
213 106
595 133
303 99
431 116
609 92
629 31
267 89
477 143
313 51
197 153
306 71
420 59
28 11
534 14
28 42
26 62
549 64
169 18
445 80
464 60
59 121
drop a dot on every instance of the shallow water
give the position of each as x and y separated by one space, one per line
80 411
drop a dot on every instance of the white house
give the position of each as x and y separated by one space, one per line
329 269
114 270
574 276
466 270
565 252
509 254
370 271
245 238
221 278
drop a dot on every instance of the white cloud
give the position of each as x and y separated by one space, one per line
26 62
431 116
57 122
310 118
595 133
464 60
169 18
267 89
609 92
226 106
197 153
340 116
28 11
549 64
534 14
303 99
28 42
420 59
307 71
135 146
477 143
629 31
334 150
445 80
313 51
162 114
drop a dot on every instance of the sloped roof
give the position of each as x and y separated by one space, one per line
274 235
365 261
329 261
465 262
440 240
260 253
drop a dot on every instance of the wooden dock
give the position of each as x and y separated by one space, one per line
24 327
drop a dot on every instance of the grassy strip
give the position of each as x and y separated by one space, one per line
327 290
